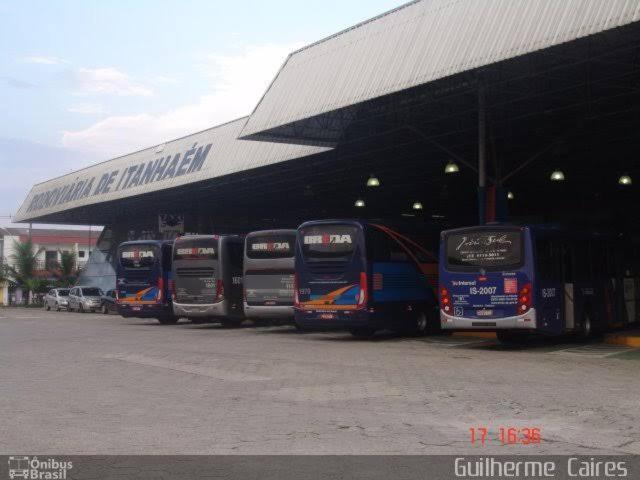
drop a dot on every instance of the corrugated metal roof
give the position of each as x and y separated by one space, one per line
204 155
420 42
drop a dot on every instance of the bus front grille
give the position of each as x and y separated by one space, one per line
195 272
319 268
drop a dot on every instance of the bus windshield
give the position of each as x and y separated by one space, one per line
271 246
328 241
484 249
196 249
138 256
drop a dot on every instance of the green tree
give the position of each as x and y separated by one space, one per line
22 268
4 273
66 271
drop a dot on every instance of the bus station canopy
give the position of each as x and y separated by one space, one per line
399 97
184 165
322 89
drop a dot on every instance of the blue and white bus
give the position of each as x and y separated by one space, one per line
363 277
518 280
144 279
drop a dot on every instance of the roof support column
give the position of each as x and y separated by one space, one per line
482 155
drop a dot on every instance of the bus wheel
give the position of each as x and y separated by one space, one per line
171 320
47 307
363 332
417 326
507 337
300 328
586 331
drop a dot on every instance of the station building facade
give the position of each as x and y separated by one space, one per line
476 110
49 245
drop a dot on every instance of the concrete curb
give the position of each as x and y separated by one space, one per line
627 339
485 335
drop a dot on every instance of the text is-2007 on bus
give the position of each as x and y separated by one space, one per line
531 279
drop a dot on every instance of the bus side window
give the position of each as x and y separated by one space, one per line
567 262
612 266
379 246
548 259
597 258
420 255
584 261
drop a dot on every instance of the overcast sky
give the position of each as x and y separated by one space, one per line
84 81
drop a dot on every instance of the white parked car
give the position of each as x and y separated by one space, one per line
85 299
56 298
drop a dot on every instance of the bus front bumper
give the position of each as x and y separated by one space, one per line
526 321
265 311
188 310
332 319
142 310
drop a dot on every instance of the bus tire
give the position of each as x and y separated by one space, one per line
417 325
363 332
586 329
231 322
80 308
300 328
169 320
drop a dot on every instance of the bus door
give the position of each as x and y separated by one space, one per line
571 293
604 306
333 272
196 267
139 274
628 261
233 251
554 297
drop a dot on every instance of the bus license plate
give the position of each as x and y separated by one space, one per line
136 309
484 312
327 316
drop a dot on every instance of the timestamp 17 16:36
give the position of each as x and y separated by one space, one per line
481 435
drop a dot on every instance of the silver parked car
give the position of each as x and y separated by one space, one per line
85 299
56 298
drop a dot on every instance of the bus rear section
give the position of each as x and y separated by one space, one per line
269 270
144 275
486 279
362 277
207 273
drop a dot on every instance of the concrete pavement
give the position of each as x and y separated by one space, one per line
94 384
